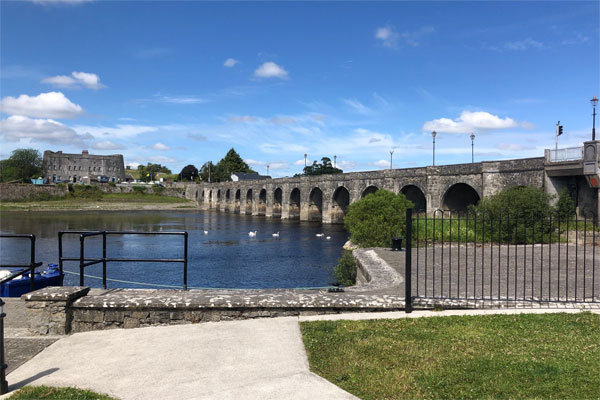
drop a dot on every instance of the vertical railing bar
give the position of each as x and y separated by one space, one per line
507 256
532 254
450 259
474 255
32 263
458 243
104 259
491 258
408 264
482 254
558 272
81 258
418 225
185 262
584 255
467 255
576 254
433 256
567 262
499 251
426 252
60 255
442 262
515 240
542 260
550 259
594 257
524 257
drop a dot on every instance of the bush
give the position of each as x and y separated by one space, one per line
139 189
86 192
112 184
345 270
565 206
518 214
375 219
157 189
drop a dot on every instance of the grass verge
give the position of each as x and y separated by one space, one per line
57 393
477 357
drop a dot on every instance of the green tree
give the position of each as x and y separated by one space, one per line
188 173
151 171
375 219
323 168
21 165
206 172
565 206
231 163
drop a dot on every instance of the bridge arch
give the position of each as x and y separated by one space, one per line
277 202
315 204
294 204
248 207
210 199
369 190
237 201
416 195
459 197
262 202
219 198
339 204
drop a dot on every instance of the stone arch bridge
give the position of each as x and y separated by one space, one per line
326 197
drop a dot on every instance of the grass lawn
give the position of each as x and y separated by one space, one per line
479 357
55 393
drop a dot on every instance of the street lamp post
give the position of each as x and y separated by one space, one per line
305 160
472 148
594 101
391 153
334 161
433 135
267 169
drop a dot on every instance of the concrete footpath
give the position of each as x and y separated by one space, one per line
249 359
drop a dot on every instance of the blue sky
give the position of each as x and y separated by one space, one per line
182 82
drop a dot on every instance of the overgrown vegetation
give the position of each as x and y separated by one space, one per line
565 206
375 219
139 189
325 167
526 356
57 393
221 172
345 270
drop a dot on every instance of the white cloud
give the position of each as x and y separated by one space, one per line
44 105
163 159
282 120
524 44
250 161
230 62
271 70
17 127
469 122
182 99
132 165
578 39
118 132
382 164
357 106
76 80
300 162
160 147
390 38
106 145
242 118
513 147
276 165
197 137
387 35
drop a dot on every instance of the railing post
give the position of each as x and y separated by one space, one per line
408 264
103 260
3 366
32 264
185 260
60 260
81 259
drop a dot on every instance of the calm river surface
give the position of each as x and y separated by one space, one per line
225 257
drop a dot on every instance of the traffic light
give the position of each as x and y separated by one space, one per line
560 130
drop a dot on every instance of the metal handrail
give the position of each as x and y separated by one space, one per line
26 267
86 262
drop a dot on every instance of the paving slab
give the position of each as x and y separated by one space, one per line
254 359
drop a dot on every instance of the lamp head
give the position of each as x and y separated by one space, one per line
472 136
594 101
434 134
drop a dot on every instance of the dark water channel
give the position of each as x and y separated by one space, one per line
225 257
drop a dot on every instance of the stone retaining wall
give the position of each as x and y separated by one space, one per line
24 191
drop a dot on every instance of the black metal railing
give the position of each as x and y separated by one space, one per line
24 268
474 256
87 261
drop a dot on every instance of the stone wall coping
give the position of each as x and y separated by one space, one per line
57 293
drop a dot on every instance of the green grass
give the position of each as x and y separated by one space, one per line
141 198
56 393
548 356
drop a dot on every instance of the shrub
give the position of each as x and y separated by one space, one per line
518 214
565 206
375 219
86 192
139 189
157 189
112 184
345 270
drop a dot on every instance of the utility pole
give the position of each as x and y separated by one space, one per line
305 160
334 161
594 101
391 154
433 135
267 169
472 148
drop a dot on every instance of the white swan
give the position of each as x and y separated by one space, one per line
252 234
276 234
319 234
328 237
206 232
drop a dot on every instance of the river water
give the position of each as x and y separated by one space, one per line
225 257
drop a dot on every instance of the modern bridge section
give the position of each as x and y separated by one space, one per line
327 197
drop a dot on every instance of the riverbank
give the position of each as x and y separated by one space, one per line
108 202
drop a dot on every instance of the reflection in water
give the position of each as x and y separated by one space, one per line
225 257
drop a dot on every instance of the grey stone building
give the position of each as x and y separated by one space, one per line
84 167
